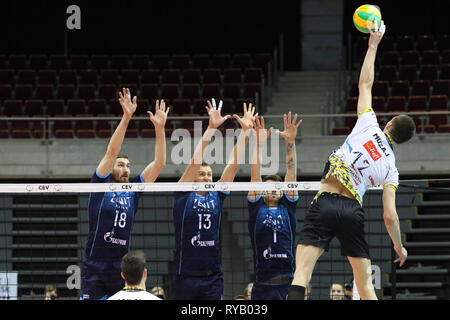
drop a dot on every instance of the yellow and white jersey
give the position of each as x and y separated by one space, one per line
133 295
366 159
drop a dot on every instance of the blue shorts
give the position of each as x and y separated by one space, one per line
198 288
100 279
270 291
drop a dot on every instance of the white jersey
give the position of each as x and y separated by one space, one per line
133 295
368 154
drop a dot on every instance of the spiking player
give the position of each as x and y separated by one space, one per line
197 217
111 214
366 159
272 220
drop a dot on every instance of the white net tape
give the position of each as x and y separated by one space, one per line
159 187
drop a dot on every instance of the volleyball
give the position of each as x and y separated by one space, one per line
366 13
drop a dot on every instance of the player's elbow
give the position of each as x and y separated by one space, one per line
389 217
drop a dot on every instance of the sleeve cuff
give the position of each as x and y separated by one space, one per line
364 111
393 186
254 201
291 200
100 176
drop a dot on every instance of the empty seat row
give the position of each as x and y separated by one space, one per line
103 107
427 129
413 72
115 76
138 61
413 57
145 91
384 88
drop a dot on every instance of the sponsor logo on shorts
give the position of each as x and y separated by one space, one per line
372 150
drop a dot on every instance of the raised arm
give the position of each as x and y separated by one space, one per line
392 223
261 135
367 75
215 121
246 124
115 143
289 134
152 171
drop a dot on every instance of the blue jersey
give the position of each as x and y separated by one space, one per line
111 217
197 223
272 232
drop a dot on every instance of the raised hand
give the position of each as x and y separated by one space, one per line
160 117
247 119
261 133
215 118
128 106
290 128
377 35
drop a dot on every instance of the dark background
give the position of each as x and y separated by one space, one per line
137 26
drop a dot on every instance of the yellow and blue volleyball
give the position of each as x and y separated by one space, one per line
365 13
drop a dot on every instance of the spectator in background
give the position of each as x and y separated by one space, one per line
159 292
51 293
337 292
248 291
348 287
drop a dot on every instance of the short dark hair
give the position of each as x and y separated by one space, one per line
403 128
132 266
123 156
204 164
274 177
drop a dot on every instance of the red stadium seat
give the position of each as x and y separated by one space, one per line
140 61
405 43
407 72
190 91
444 71
58 61
54 107
38 61
181 61
410 57
44 92
430 57
221 60
150 76
7 76
232 75
47 76
24 91
111 76
160 61
390 58
76 106
378 104
180 106
242 60
34 107
108 91
351 104
88 76
149 91
169 91
396 104
130 76
96 106
170 76
191 76
99 61
425 42
17 61
441 86
420 88
387 73
428 72
232 91
86 91
201 61
400 88
12 107
262 60
212 76
443 128
429 128
417 103
211 90
5 92
250 90
68 77
253 75
79 61
340 131
380 89
199 106
443 42
438 102
26 76
119 61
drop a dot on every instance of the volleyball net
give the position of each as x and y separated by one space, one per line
44 228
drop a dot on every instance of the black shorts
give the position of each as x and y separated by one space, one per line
332 215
